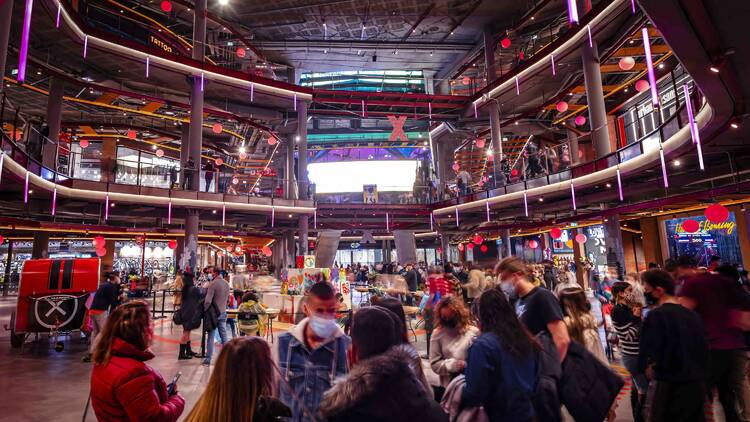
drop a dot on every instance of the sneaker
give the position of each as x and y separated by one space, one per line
86 358
206 362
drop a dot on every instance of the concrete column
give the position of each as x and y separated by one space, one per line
289 186
195 137
429 81
108 259
184 145
573 143
108 160
302 181
303 232
614 240
6 14
444 87
291 247
595 98
40 247
8 262
651 241
445 244
54 116
578 252
743 233
507 244
189 259
492 106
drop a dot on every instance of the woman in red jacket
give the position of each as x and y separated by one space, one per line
123 387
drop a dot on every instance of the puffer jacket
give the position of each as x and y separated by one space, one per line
126 389
381 388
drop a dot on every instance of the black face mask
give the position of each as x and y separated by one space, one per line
651 300
449 323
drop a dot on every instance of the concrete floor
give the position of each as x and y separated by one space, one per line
43 385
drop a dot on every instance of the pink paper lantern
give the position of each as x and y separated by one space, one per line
243 155
100 252
272 140
131 134
580 120
2 240
642 85
219 161
159 152
166 6
505 42
533 244
241 52
466 80
717 213
172 244
480 143
491 157
581 238
562 107
456 167
626 63
217 128
460 246
555 233
235 180
690 226
83 143
98 241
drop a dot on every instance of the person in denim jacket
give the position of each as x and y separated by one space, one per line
312 354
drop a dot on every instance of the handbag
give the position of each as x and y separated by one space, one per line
177 317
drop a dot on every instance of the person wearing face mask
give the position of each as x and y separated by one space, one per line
451 339
312 354
673 353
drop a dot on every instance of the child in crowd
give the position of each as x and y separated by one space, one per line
252 327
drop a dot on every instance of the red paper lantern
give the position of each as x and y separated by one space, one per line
580 120
533 244
561 106
241 52
581 238
456 167
159 152
480 143
483 248
439 251
626 63
690 226
243 155
235 180
514 172
2 240
83 143
642 85
555 233
478 239
219 161
470 246
717 213
466 80
166 6
98 242
272 140
505 42
460 246
267 251
217 128
172 244
131 134
100 252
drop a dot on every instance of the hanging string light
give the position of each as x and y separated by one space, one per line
694 131
552 59
663 166
650 67
619 183
57 19
23 50
573 194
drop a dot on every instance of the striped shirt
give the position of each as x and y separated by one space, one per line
628 329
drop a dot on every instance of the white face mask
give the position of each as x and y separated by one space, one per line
322 327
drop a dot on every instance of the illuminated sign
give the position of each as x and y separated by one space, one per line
159 43
725 228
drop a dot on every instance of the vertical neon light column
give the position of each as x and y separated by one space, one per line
694 132
650 67
23 51
572 12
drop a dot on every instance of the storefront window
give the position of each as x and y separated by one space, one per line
126 170
711 239
85 163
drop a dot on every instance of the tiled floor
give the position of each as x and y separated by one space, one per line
43 385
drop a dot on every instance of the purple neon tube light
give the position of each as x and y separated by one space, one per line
26 189
54 201
694 132
431 223
57 19
24 50
619 184
387 223
572 11
650 67
106 207
518 87
295 101
525 204
2 159
487 207
223 214
252 92
457 217
663 167
148 64
632 5
476 113
591 42
169 212
315 219
552 58
429 111
273 216
202 81
85 46
573 195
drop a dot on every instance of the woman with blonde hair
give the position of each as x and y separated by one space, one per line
451 339
241 386
582 326
123 386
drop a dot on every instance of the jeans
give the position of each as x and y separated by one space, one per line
97 325
639 379
222 328
727 372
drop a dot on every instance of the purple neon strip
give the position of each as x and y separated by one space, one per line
223 214
457 217
525 204
85 46
387 223
650 67
24 50
632 5
572 11
273 216
106 207
663 167
487 207
295 101
54 201
57 19
431 223
252 92
573 195
203 83
429 110
476 113
518 87
591 42
619 184
148 65
169 212
26 189
315 219
552 58
694 131
2 159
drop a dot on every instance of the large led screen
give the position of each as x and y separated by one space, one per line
350 176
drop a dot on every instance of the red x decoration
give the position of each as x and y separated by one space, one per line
398 128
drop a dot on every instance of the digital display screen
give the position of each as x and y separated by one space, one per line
351 176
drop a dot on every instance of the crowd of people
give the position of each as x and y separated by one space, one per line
504 346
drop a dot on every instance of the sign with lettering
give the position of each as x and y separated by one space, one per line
710 239
160 44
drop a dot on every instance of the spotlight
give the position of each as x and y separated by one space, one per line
290 215
677 163
297 138
112 205
734 123
714 69
223 2
541 199
609 185
213 211
30 191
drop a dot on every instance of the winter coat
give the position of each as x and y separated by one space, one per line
381 388
476 285
451 404
126 389
191 310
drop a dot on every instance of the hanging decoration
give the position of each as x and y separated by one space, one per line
131 134
172 244
591 41
272 140
223 214
26 189
267 251
552 59
23 51
169 211
83 143
580 120
572 12
456 167
2 240
641 85
690 225
216 128
626 63
483 248
533 244
525 204
477 239
106 207
650 67
219 161
460 247
573 194
663 166
486 205
466 80
59 11
235 180
98 241
398 128
581 238
241 52
562 107
470 246
166 6
518 87
619 183
100 252
480 143
555 233
54 200
505 42
694 131
717 213
85 46
159 152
